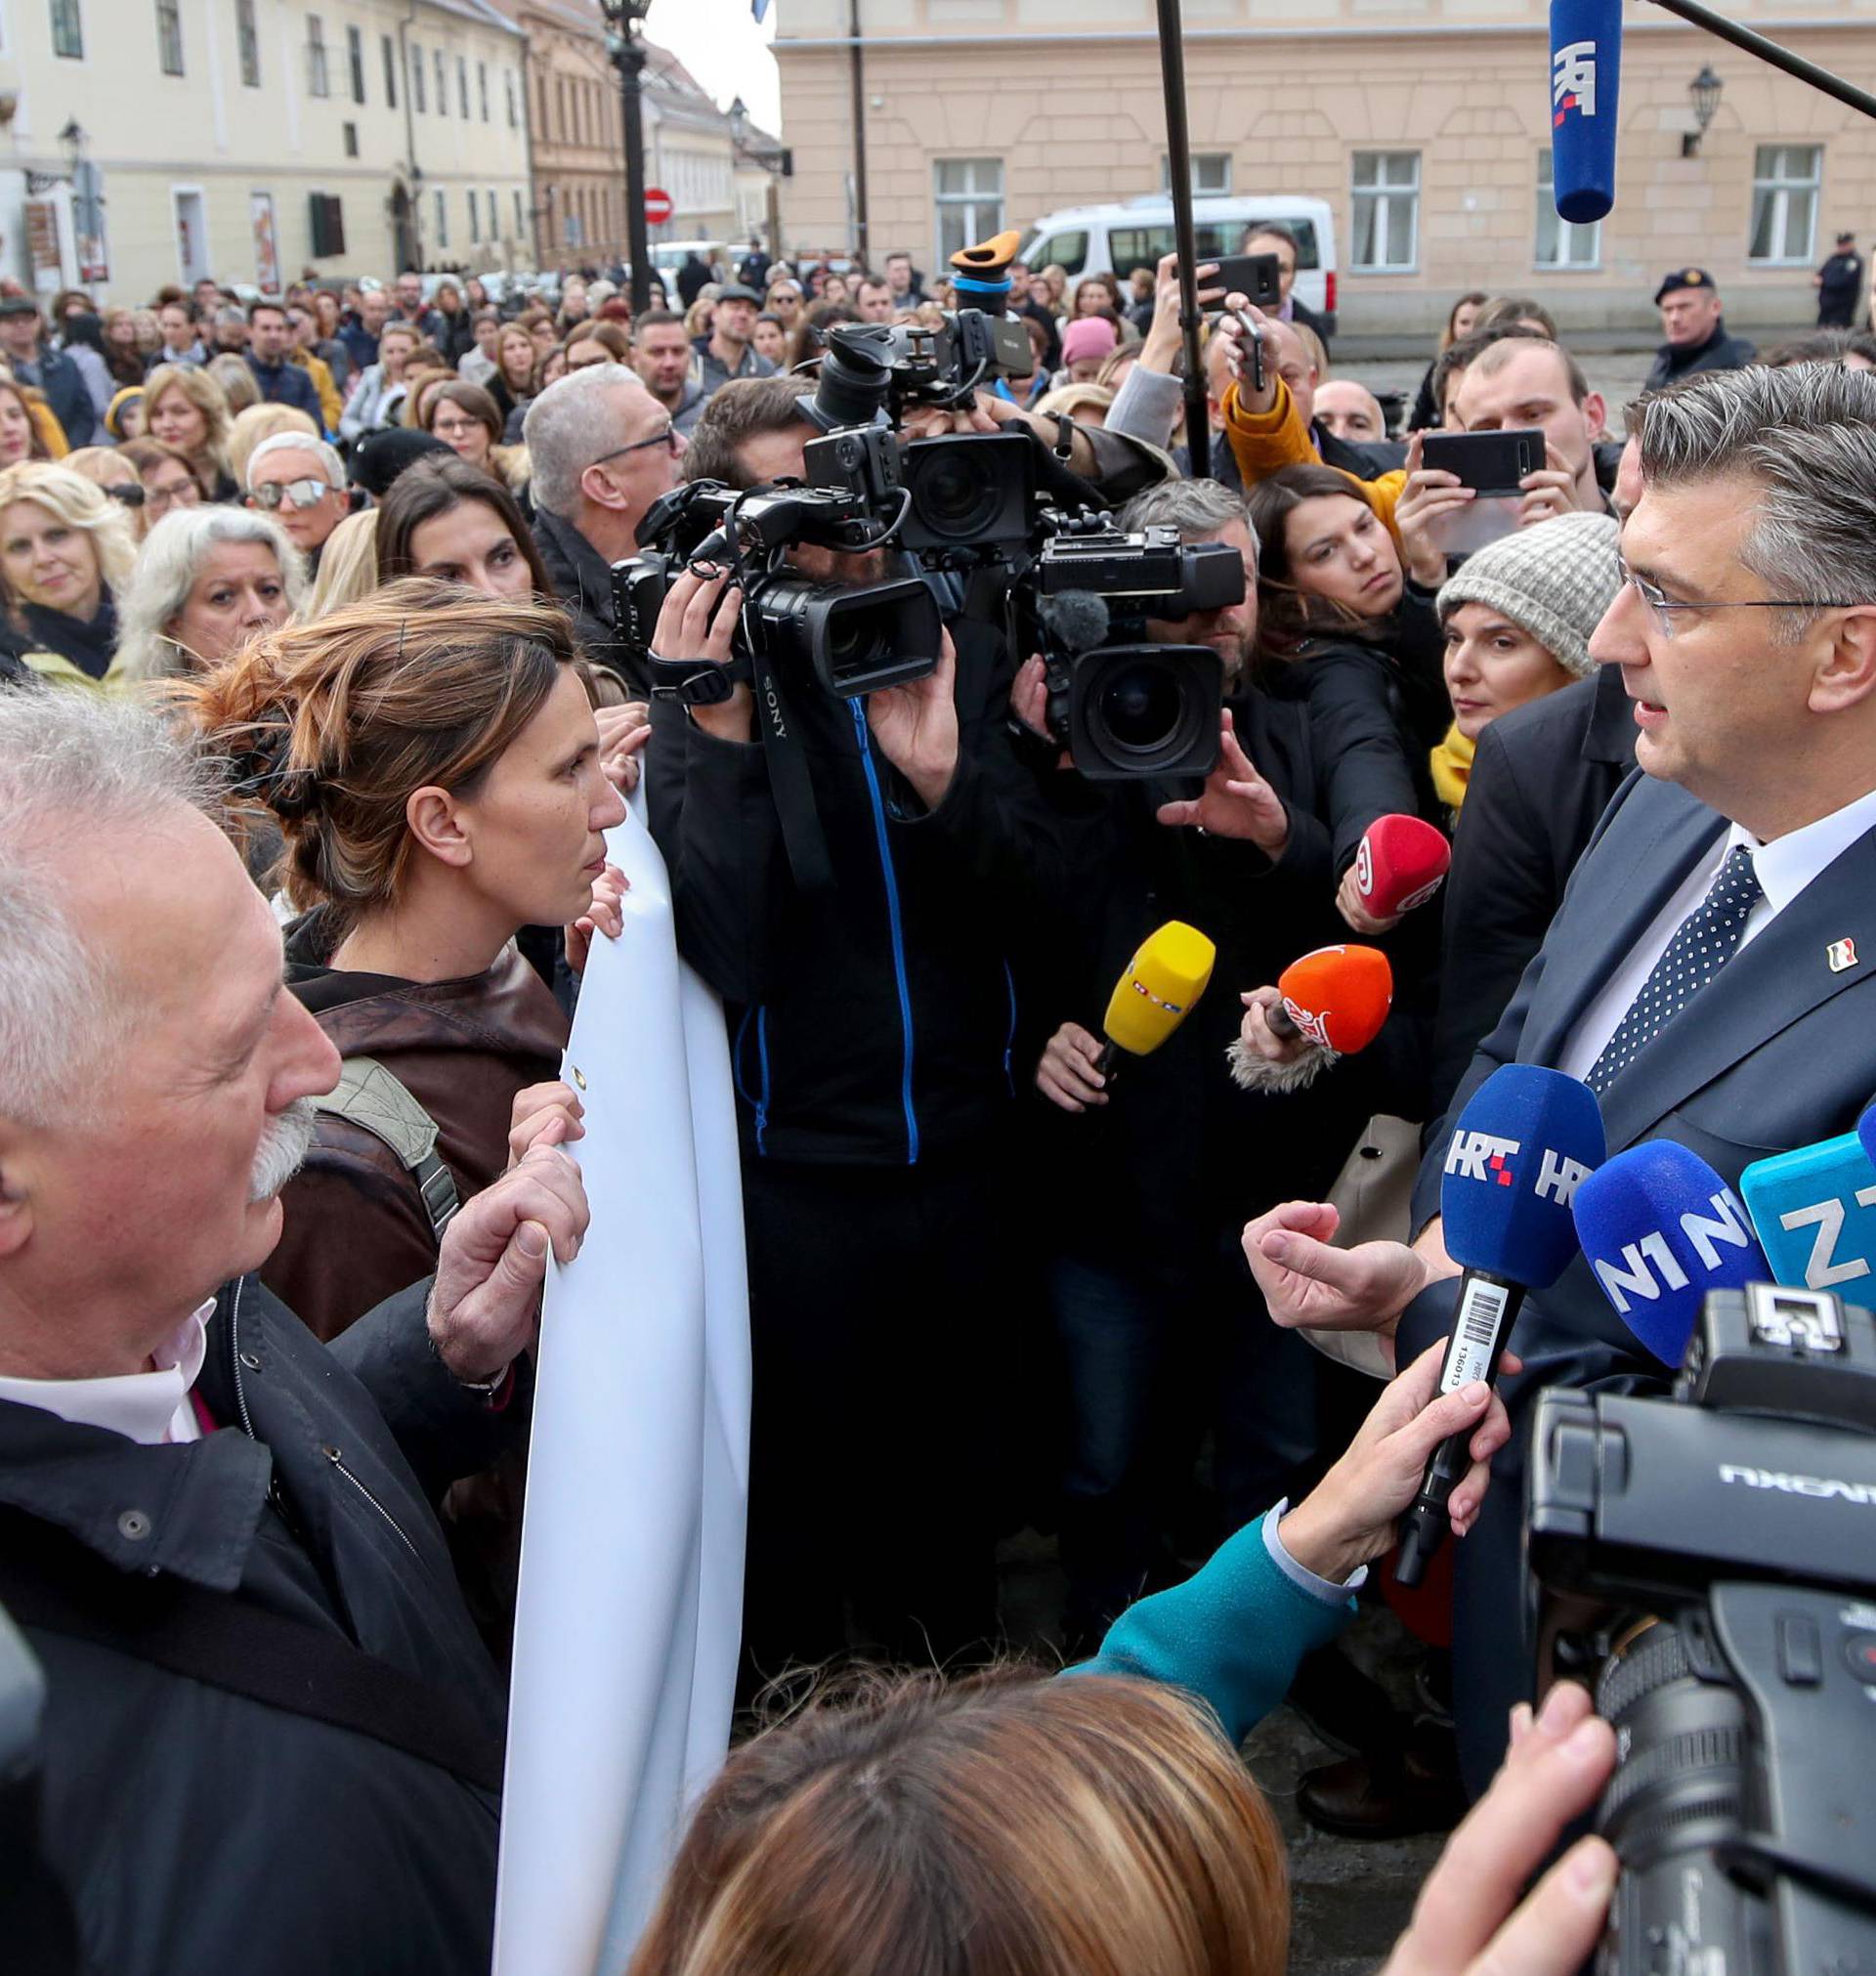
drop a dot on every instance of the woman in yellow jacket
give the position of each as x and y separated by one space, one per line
65 551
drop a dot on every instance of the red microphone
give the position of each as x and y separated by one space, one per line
1401 863
1337 997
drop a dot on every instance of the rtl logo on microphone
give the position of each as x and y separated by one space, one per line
1484 1156
1573 81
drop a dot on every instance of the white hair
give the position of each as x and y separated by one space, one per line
564 432
166 570
327 457
75 769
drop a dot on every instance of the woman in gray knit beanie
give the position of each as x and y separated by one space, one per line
1517 617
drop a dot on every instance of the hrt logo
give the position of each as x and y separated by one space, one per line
1573 81
1559 1177
1482 1156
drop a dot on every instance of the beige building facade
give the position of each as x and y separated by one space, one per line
1425 123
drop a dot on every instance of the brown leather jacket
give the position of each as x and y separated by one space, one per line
356 1228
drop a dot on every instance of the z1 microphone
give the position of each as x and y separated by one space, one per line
1585 78
1660 1229
1528 1139
1400 863
1816 1211
1338 998
1156 992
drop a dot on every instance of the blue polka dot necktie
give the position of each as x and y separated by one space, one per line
1702 944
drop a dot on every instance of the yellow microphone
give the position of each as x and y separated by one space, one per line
1156 991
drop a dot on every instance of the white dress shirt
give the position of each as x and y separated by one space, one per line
1784 866
150 1407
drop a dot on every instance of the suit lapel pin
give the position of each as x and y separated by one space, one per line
1842 954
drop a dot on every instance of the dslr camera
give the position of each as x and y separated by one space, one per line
1709 1558
1123 707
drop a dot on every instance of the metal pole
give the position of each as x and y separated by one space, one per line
859 72
1178 150
1771 51
631 59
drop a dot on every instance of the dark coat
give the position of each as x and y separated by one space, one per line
66 390
312 1502
1323 325
691 279
287 384
1542 777
583 581
89 643
1720 351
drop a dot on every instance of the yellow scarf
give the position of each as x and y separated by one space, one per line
1452 762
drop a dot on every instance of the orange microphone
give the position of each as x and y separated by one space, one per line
1336 999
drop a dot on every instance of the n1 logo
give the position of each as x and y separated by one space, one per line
1816 1212
1648 1267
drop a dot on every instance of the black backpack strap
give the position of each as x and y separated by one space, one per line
52 1583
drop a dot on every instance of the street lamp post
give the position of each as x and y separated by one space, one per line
624 18
778 162
1704 90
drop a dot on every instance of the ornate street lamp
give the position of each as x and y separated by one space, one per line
1704 90
624 18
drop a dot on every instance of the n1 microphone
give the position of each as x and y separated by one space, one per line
1156 991
1400 863
1338 998
1586 79
1660 1229
1529 1138
1816 1211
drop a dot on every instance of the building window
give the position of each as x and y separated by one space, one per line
416 77
67 30
1386 203
387 48
462 87
559 106
508 85
247 39
969 197
169 36
1210 173
494 223
315 82
355 62
475 218
1785 182
351 135
443 86
443 218
481 89
1560 243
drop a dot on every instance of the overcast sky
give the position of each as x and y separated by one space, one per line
720 44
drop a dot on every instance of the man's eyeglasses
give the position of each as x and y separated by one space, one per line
300 494
667 438
1662 608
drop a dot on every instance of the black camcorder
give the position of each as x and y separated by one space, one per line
1709 1558
1120 706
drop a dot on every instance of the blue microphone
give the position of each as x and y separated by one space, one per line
1816 1211
1585 78
1660 1229
1522 1147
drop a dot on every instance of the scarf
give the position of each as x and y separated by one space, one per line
1452 764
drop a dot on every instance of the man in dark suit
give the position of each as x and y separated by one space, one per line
1712 971
1267 237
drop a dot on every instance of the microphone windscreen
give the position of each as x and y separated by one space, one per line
1816 1212
1400 863
1660 1229
1585 77
1338 996
1156 992
1079 620
1524 1142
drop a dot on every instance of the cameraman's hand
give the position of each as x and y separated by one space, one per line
1308 1284
1163 340
934 421
697 621
1238 360
1429 497
1469 1921
1029 702
917 727
1547 493
1349 903
1066 1074
1348 1518
1237 801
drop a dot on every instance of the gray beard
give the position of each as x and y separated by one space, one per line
280 1153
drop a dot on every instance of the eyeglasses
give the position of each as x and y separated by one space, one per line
1661 607
454 428
668 439
300 494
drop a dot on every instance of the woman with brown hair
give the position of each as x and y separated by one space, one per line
186 408
457 523
468 422
512 383
21 436
168 480
122 357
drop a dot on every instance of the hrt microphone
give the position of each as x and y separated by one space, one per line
1400 863
1522 1147
1585 78
1156 991
1338 998
1816 1212
1660 1229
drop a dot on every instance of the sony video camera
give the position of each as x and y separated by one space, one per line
1123 707
1713 1555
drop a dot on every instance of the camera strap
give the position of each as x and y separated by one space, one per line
790 782
689 683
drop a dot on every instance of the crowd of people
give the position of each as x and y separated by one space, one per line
314 712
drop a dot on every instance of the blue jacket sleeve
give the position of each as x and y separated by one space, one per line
1232 1634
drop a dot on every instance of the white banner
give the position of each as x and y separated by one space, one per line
632 1560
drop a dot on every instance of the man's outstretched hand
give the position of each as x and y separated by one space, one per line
1309 1285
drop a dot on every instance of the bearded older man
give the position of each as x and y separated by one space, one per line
274 1738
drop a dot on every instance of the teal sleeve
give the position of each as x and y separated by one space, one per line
1232 1634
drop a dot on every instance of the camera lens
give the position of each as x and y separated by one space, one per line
956 498
1139 708
1149 709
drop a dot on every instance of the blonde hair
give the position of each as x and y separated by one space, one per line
999 1826
334 725
240 386
80 503
348 566
1069 399
208 398
259 422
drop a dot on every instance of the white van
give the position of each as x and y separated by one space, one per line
1117 239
